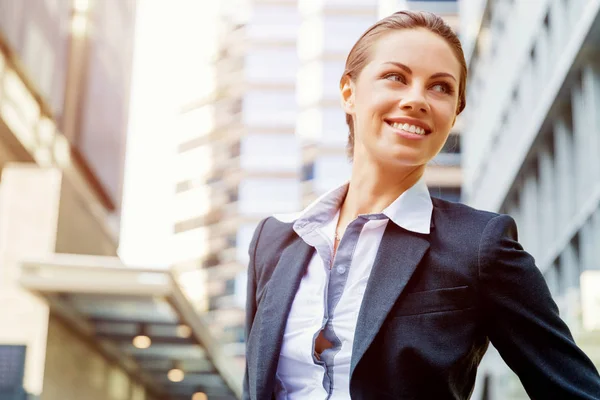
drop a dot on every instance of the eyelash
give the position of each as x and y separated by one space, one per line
447 88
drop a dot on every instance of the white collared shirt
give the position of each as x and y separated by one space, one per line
330 299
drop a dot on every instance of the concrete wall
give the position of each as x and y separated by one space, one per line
82 225
29 199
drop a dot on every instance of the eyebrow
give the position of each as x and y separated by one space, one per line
409 71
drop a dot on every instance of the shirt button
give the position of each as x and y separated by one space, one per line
340 269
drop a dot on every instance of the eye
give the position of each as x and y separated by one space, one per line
443 88
395 77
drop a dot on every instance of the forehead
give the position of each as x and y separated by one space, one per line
418 49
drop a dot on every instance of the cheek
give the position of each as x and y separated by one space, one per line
373 101
444 114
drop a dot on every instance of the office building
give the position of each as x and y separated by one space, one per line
530 144
76 322
237 161
327 32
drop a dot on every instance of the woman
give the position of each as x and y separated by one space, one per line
377 290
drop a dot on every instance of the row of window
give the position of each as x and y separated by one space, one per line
12 371
556 197
497 115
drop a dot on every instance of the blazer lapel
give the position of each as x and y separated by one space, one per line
399 254
282 289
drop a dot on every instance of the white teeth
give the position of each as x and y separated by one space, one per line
408 128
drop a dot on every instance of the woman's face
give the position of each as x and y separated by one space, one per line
405 99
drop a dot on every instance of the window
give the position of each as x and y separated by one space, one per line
331 171
233 195
308 172
229 287
332 73
194 163
195 123
259 196
366 4
341 32
335 129
243 238
323 125
258 154
272 65
12 371
273 22
560 279
191 203
438 6
234 150
576 245
211 260
190 244
269 108
231 241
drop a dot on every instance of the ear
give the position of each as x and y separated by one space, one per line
347 94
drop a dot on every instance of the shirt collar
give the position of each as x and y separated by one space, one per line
412 210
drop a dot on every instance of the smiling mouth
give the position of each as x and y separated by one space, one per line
409 128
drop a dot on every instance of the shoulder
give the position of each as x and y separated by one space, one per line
447 213
465 224
271 236
272 227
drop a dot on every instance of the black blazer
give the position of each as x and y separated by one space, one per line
432 304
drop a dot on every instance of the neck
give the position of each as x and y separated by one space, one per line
373 187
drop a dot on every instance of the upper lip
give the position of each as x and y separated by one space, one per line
409 121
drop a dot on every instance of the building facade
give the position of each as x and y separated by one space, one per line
444 172
237 159
328 31
63 116
530 144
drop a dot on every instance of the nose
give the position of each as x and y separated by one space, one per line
414 100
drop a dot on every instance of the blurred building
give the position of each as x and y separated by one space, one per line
444 174
530 149
328 31
254 157
76 322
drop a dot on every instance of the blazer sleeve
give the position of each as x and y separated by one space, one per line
523 322
251 298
